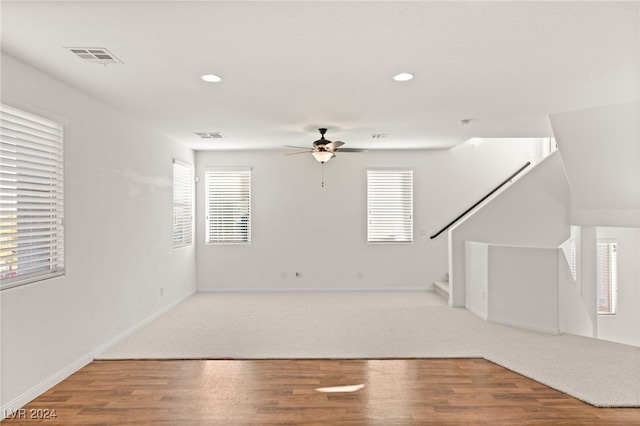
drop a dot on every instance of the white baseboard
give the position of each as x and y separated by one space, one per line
28 396
100 350
67 371
476 312
554 331
311 289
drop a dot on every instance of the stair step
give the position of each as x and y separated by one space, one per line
442 288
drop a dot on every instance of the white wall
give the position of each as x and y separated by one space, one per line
298 226
523 287
624 326
511 285
118 215
586 273
575 316
600 149
533 212
477 277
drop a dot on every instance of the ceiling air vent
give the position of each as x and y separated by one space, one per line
378 135
210 135
95 55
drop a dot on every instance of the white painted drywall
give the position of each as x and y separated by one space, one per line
477 276
523 287
600 148
573 314
624 326
118 217
298 226
587 276
532 212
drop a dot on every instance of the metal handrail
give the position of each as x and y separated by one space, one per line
481 200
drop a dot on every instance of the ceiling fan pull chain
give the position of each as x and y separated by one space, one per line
322 168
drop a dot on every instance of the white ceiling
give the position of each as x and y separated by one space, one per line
291 67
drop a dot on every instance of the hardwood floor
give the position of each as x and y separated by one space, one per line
264 392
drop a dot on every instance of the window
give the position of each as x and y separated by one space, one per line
607 276
390 205
31 198
572 258
182 204
228 204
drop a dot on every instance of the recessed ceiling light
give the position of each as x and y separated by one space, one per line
211 78
403 76
473 142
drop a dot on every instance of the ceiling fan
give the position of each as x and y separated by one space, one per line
324 150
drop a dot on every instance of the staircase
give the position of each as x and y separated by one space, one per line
442 288
532 212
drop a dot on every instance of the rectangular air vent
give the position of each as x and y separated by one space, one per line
210 135
378 135
94 55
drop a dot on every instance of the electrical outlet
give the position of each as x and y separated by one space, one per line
359 274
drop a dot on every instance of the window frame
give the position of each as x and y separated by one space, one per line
183 174
376 223
32 158
241 204
611 286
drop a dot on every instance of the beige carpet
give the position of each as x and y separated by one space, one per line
381 325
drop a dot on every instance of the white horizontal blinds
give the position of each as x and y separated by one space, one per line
228 203
390 206
572 258
607 277
182 204
31 197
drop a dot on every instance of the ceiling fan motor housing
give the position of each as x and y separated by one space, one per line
320 143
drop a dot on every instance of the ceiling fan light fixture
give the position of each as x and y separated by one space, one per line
322 156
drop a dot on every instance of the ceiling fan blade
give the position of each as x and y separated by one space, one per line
299 147
332 146
352 150
300 152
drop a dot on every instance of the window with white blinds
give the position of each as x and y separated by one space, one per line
390 206
228 204
607 277
31 198
182 204
572 258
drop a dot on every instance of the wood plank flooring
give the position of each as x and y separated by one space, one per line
266 392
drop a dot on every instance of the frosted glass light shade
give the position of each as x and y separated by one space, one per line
322 156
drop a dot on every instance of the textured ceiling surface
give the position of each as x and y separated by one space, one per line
291 67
